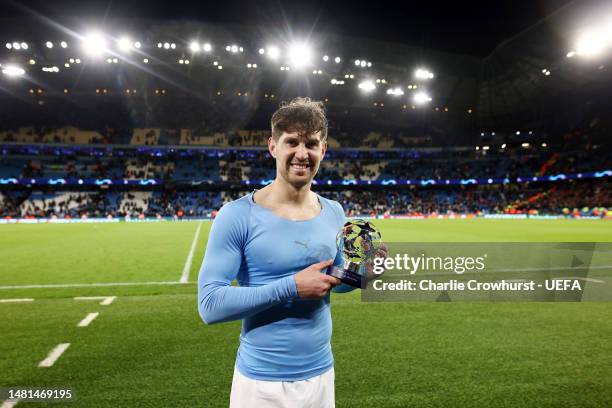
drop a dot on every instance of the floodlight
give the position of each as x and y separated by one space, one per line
64 44
300 55
326 58
194 46
395 91
421 98
273 52
124 44
207 47
337 60
591 43
421 73
13 71
94 44
49 44
367 86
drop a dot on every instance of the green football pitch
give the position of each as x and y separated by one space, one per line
147 346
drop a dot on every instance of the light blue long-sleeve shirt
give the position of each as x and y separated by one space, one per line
284 337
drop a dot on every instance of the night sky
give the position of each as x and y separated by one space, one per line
473 28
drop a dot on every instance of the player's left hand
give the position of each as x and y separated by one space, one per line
381 252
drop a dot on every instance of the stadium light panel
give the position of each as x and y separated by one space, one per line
16 46
273 52
421 73
395 91
300 55
49 44
591 44
9 45
357 62
367 86
94 44
421 98
64 44
194 46
24 45
124 44
337 60
13 71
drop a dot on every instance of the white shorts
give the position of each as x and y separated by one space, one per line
315 392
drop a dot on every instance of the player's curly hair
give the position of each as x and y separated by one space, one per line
301 115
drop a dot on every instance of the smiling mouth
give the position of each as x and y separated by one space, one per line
300 166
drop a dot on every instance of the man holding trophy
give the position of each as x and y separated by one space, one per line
287 248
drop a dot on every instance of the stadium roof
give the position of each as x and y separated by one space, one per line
474 28
496 66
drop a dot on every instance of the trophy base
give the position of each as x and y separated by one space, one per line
347 276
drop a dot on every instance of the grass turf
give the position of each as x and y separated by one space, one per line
149 348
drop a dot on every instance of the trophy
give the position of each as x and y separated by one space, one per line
359 240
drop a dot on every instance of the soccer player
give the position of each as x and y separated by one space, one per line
277 242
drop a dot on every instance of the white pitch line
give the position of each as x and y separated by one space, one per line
16 300
88 319
108 300
54 355
189 261
9 403
88 285
105 300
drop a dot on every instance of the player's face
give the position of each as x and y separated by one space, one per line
297 156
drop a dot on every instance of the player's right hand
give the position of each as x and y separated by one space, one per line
313 283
